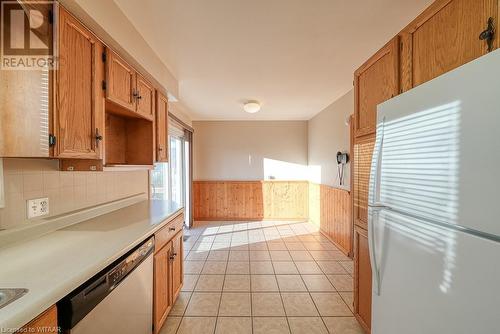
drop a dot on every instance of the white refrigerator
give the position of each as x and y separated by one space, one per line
434 206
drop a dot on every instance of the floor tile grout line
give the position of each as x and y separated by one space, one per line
282 238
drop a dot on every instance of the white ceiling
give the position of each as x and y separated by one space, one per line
294 56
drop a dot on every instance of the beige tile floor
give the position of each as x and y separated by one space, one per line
263 277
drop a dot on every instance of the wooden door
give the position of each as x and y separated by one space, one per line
375 81
443 37
44 323
79 111
177 264
161 128
145 97
362 279
162 286
363 149
120 81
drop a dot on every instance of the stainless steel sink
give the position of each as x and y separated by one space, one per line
7 296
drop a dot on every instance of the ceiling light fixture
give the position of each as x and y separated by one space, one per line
251 107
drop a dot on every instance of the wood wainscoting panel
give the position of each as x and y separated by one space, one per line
250 200
330 208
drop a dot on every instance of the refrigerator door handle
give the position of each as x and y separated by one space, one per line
371 249
377 164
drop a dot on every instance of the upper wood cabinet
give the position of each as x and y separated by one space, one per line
363 149
128 89
362 279
375 81
145 97
161 128
443 37
79 99
120 81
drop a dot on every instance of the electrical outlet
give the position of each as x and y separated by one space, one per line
37 207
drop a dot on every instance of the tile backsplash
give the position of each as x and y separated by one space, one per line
26 179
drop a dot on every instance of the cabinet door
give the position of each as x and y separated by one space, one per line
162 286
79 111
44 323
362 279
375 81
145 98
443 37
161 128
363 149
120 81
26 98
177 264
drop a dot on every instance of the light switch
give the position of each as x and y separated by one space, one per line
37 207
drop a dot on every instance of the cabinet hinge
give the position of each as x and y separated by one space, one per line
103 85
52 140
51 16
104 57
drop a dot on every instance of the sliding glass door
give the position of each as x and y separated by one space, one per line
177 170
172 180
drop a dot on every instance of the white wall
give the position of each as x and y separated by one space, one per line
250 150
329 134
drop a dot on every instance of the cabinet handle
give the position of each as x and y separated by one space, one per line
160 148
98 137
135 93
139 97
488 35
171 228
172 257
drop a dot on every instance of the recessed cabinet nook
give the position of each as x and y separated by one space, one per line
99 111
449 33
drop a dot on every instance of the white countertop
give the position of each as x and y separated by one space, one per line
54 264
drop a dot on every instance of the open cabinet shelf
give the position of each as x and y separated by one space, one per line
129 142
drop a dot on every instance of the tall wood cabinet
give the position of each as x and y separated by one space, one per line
449 33
375 81
79 104
363 283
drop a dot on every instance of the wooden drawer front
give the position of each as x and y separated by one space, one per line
163 236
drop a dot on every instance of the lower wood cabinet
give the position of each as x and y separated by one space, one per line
163 299
168 271
362 279
177 267
44 323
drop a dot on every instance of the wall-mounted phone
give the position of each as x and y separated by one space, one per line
342 159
